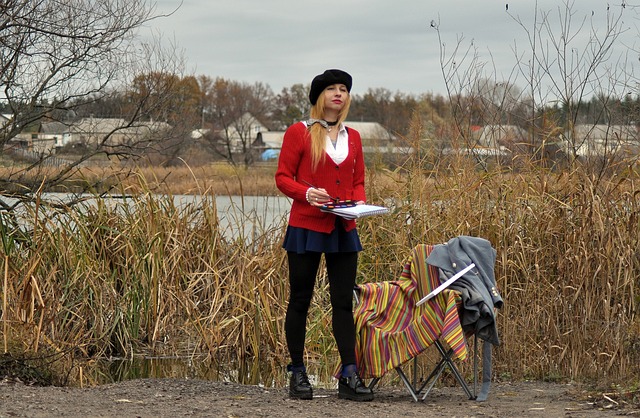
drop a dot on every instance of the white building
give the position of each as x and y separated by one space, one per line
601 140
112 131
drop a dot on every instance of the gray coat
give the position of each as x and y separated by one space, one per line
477 287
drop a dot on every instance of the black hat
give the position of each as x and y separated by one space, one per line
329 77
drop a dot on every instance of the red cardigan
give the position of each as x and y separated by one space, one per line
345 180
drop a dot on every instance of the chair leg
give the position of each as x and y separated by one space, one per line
475 366
415 372
410 387
373 383
433 377
447 362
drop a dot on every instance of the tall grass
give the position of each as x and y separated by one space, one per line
568 262
151 277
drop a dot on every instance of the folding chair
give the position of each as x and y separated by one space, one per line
392 329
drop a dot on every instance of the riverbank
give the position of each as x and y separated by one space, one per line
200 398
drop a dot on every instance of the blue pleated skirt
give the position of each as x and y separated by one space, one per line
301 240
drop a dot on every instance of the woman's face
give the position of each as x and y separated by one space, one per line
335 97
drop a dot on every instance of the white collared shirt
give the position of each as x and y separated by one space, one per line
341 150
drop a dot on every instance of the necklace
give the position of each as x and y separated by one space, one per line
324 123
330 125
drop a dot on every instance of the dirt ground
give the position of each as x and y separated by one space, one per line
202 398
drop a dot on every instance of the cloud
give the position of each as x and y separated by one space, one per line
382 43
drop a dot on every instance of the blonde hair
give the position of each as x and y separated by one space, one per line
318 132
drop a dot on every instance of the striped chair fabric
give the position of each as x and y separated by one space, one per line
391 329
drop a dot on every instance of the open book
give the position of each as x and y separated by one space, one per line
355 211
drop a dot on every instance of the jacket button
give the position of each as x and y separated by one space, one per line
337 181
453 265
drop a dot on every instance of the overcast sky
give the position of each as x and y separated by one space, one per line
381 43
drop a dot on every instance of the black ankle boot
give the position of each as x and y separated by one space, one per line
351 387
299 386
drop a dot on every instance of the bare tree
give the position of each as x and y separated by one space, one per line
570 59
235 111
476 97
292 105
170 100
56 57
567 60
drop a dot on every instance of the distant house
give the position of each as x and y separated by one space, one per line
58 132
31 143
244 131
372 133
112 131
601 140
45 137
199 133
499 137
40 138
268 144
490 141
375 139
588 140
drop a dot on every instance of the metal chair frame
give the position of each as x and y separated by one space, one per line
415 388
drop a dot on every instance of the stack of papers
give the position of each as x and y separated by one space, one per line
354 212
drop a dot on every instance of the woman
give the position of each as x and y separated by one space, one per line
321 160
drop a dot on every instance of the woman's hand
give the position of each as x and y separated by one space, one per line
317 197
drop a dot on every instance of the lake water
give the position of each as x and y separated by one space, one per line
245 216
238 216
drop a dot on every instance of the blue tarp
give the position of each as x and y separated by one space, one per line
270 154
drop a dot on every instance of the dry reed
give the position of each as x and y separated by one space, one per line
152 277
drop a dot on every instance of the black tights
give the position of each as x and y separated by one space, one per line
341 270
